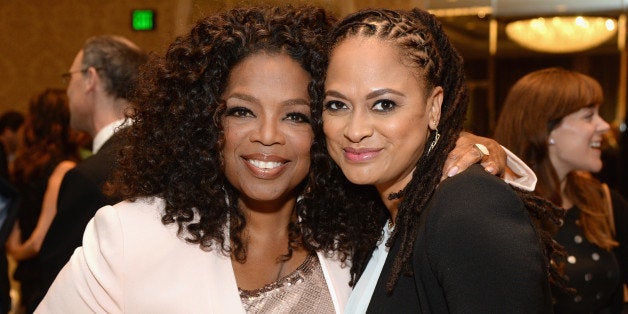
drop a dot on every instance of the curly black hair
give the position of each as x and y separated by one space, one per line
420 37
176 137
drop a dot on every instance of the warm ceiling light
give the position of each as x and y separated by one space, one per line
562 34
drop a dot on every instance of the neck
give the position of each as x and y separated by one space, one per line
391 205
108 110
387 189
271 218
566 202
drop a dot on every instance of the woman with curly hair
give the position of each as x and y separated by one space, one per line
227 179
395 101
47 152
560 135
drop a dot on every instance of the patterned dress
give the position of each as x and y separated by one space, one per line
596 274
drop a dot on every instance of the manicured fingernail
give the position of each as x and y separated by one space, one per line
453 171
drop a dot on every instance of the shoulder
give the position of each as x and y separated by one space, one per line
64 166
60 170
474 189
134 228
476 240
98 167
143 213
473 208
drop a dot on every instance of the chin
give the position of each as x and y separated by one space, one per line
360 179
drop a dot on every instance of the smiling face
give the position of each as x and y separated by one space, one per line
577 142
377 113
267 127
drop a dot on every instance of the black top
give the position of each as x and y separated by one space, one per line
476 252
32 193
597 275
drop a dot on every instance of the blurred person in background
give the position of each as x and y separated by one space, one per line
10 124
551 120
46 153
100 82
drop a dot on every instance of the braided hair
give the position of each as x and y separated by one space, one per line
421 40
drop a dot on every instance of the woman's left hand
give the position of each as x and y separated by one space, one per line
466 153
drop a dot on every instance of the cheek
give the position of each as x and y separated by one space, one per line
329 126
232 138
302 143
408 132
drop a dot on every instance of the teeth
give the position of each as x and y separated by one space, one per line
595 144
264 164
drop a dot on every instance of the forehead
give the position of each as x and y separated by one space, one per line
274 72
78 59
377 60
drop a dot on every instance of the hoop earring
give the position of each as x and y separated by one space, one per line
436 137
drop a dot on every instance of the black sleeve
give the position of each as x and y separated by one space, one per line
483 249
620 213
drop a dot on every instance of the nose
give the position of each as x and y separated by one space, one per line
267 132
359 126
602 125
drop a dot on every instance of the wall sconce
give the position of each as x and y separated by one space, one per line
562 34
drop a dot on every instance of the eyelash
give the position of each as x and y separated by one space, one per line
238 112
385 104
334 103
296 117
391 105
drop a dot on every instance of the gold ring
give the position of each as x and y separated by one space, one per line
482 149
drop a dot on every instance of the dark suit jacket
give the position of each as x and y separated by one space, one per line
476 252
80 196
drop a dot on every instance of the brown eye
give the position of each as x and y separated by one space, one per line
239 112
335 105
298 117
384 105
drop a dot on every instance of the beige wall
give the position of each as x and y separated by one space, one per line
39 38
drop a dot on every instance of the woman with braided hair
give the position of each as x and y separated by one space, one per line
395 101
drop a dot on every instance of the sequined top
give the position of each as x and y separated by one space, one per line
302 291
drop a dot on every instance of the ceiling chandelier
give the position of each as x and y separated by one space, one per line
561 34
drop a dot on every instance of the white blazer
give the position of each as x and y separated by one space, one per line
131 263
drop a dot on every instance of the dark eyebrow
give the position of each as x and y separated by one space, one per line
373 94
251 99
297 102
335 94
244 97
379 92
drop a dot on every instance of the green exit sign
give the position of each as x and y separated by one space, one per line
143 20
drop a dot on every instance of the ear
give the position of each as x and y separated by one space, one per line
434 103
92 79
